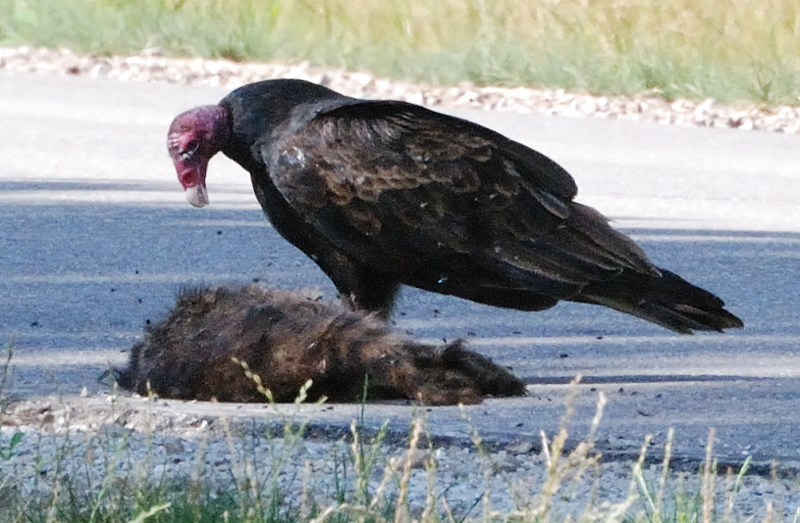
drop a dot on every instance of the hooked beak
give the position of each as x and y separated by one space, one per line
193 180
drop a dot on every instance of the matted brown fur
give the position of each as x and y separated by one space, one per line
288 338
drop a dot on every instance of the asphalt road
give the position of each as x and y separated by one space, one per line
96 238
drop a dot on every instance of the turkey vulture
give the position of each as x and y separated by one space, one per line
288 338
382 193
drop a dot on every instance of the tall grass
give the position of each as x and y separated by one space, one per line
374 491
731 50
96 477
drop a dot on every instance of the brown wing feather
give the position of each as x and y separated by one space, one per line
405 189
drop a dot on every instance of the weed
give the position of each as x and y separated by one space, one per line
6 372
101 477
7 449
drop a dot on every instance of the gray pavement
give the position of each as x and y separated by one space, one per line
96 238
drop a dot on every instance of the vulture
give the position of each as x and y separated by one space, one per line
384 193
288 338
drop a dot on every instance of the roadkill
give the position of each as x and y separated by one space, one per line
288 338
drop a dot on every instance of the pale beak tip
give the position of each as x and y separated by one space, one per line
197 196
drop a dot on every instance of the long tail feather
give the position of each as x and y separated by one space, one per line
668 300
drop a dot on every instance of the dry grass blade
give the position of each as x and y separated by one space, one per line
709 478
401 509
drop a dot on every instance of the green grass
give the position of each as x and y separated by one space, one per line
95 477
731 50
369 488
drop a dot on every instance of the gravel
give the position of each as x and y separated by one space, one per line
151 66
88 439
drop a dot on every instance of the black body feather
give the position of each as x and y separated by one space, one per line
384 193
